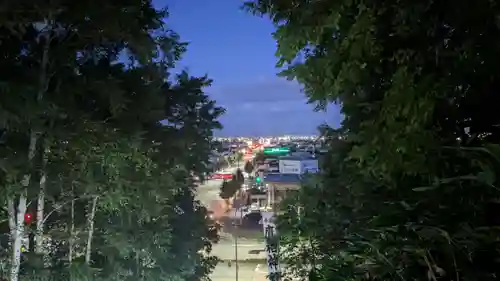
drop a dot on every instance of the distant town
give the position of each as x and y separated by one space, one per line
272 147
249 178
267 161
268 138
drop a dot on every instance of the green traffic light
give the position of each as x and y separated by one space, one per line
257 179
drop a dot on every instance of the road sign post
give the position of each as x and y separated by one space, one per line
272 245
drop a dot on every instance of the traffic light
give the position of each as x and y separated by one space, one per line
257 179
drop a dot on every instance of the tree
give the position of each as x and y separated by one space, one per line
228 189
238 177
82 140
238 157
219 164
225 190
404 181
229 160
248 168
259 157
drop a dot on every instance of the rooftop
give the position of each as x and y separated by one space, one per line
298 157
283 178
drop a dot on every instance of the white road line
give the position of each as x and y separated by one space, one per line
257 268
260 269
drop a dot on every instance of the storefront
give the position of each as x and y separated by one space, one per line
279 185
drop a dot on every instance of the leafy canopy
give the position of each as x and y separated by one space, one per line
410 181
86 88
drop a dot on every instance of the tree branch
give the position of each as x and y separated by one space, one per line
63 204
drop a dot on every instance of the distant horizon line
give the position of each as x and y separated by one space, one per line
267 136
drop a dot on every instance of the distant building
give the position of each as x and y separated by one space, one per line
294 170
298 163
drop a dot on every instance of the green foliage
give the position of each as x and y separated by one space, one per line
238 157
259 157
229 188
108 140
229 160
410 184
238 176
248 168
219 164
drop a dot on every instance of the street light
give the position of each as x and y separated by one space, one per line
235 236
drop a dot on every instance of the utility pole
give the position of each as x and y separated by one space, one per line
236 255
237 268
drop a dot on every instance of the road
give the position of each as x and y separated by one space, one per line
249 248
246 272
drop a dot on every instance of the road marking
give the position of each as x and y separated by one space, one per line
257 268
260 269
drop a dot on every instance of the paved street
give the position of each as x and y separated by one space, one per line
246 272
209 191
249 248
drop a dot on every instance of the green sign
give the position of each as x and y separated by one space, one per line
276 150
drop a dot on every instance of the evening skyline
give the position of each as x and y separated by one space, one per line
236 50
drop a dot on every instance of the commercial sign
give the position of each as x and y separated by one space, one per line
290 167
298 166
272 246
221 176
309 166
276 150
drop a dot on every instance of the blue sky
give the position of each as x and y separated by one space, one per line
237 50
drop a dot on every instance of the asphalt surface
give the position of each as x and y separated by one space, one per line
246 272
249 237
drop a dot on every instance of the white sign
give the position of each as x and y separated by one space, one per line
290 167
298 166
309 166
271 236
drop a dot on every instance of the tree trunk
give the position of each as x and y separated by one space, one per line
41 205
17 216
17 234
90 230
42 88
15 260
71 241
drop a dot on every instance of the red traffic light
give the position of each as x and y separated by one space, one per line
28 218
